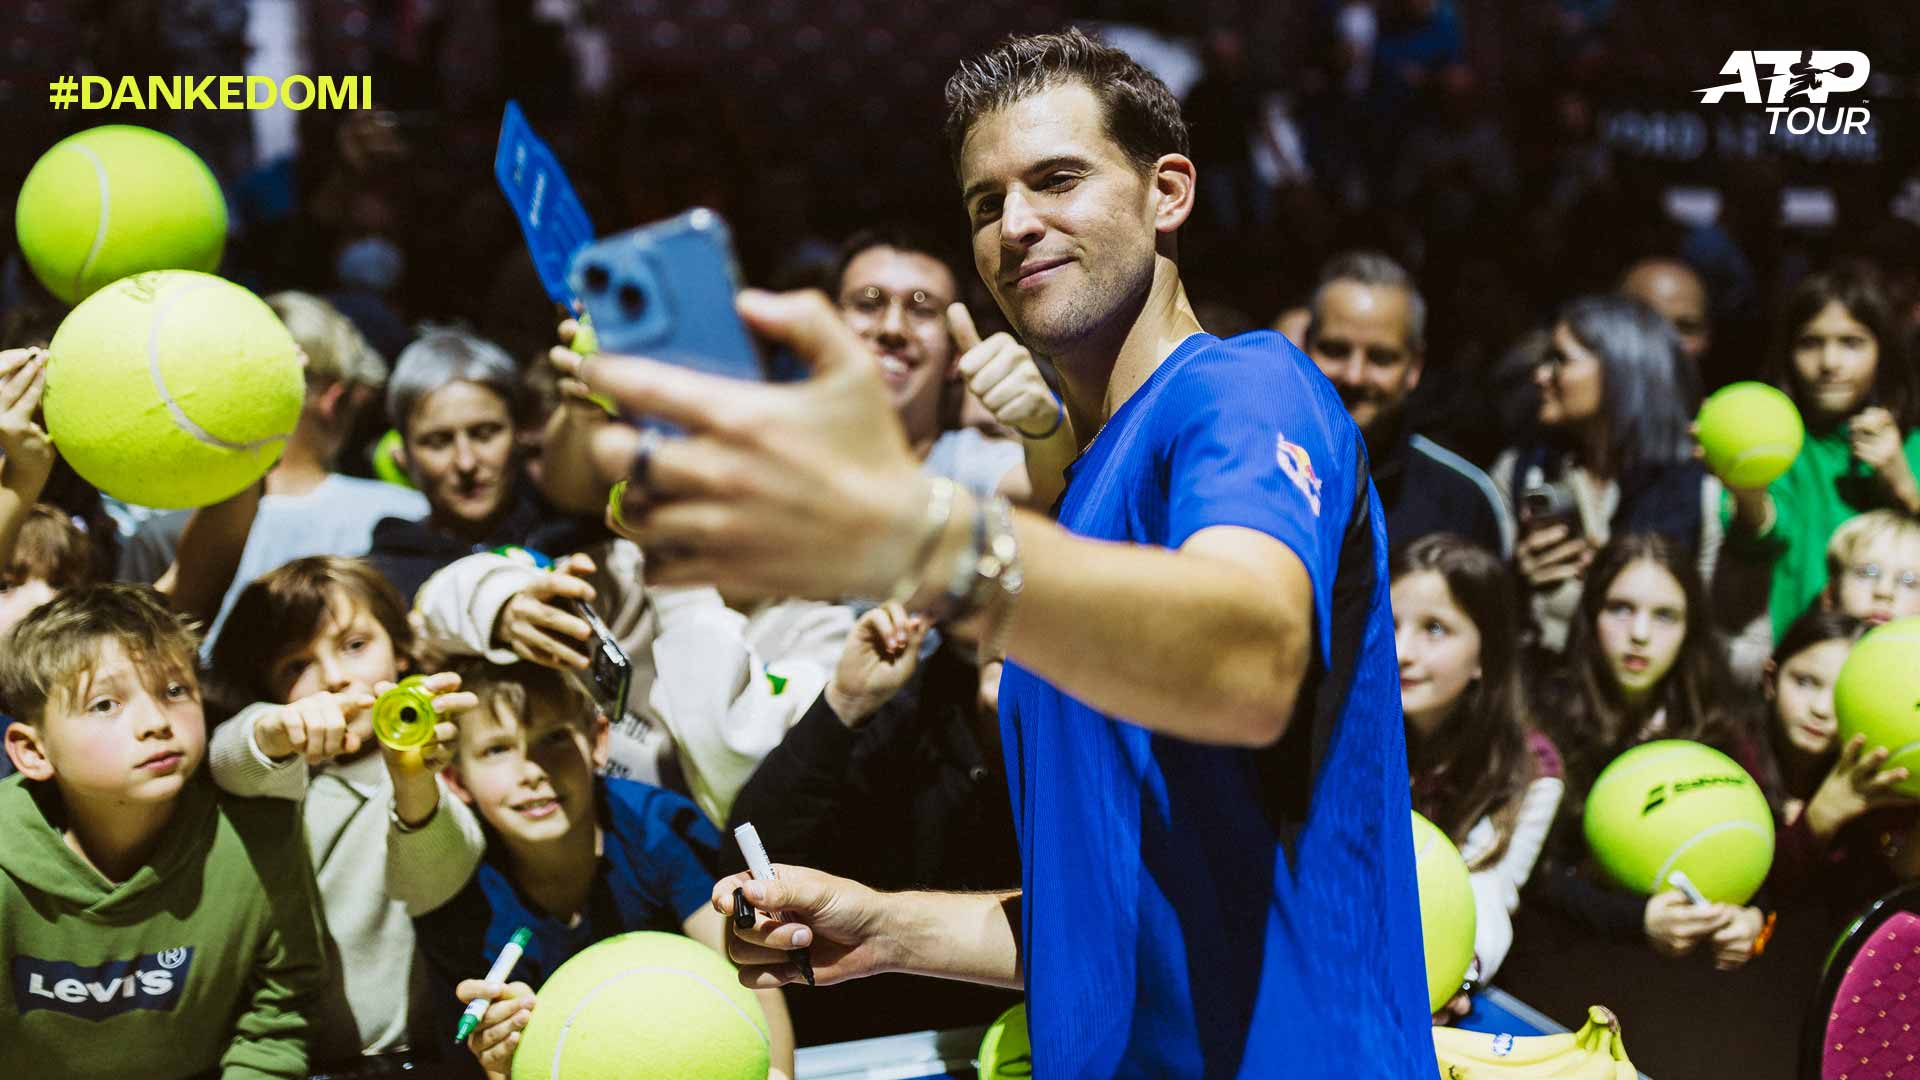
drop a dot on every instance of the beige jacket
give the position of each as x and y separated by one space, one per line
714 689
374 878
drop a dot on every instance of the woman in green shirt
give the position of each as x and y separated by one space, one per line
1842 360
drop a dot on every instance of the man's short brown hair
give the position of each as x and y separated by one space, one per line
1142 115
47 652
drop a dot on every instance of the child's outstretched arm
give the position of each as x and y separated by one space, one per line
265 750
434 842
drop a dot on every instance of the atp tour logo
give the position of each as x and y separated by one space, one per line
153 981
1805 77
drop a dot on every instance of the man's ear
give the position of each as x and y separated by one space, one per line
28 754
330 397
600 737
1415 365
1173 190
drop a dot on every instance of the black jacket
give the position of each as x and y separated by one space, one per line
911 800
407 553
1425 488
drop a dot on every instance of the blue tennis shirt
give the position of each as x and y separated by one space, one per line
1202 911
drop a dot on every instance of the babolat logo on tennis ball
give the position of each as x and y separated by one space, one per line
99 991
1658 794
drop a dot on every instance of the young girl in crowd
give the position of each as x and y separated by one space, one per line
1873 567
1845 832
1841 359
1642 663
306 648
1613 455
1480 772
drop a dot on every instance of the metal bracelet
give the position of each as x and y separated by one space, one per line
939 513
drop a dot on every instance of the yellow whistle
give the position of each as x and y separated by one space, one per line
403 717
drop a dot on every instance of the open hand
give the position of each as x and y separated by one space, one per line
27 448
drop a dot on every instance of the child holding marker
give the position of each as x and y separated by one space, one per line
1643 664
571 857
153 925
308 646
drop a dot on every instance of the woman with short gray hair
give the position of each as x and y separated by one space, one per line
1612 454
455 399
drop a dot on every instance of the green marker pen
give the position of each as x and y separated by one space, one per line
502 968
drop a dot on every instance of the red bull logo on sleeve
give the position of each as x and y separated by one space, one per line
1295 462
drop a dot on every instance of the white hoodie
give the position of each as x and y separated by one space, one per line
714 690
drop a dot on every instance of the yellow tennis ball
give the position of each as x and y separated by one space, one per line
1447 914
1005 1050
118 200
172 389
1751 433
642 1006
1878 695
1678 805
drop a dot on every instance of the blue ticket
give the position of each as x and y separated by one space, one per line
555 223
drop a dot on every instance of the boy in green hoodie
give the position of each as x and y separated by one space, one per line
153 927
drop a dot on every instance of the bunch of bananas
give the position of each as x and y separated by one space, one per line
1595 1052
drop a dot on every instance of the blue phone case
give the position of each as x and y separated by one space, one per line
555 224
665 291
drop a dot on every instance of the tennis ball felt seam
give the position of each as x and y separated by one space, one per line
180 418
100 223
1660 876
566 1026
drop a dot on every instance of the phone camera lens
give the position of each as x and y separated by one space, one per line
632 301
597 278
408 714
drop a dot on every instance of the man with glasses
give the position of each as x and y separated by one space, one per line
901 297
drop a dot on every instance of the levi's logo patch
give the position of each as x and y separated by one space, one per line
101 991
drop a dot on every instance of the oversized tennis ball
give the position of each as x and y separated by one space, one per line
643 1006
172 389
1447 913
118 200
1751 433
1006 1051
1678 805
1878 694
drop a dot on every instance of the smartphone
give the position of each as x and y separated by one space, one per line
1544 505
665 291
609 671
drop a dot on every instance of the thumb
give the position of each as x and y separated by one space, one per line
793 891
806 323
960 325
